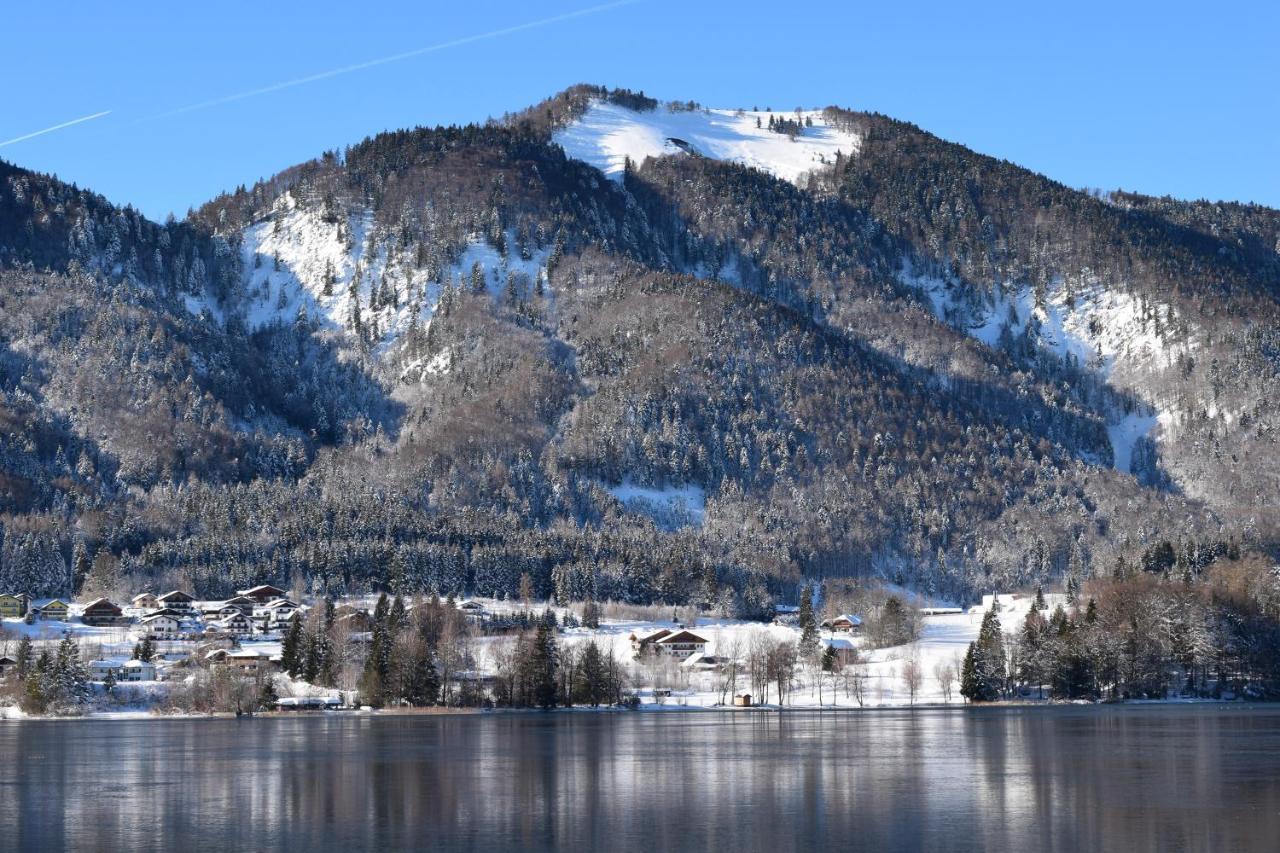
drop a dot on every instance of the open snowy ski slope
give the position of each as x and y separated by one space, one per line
607 134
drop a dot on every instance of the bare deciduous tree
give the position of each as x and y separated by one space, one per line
945 674
912 677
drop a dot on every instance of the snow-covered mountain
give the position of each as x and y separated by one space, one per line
298 257
780 343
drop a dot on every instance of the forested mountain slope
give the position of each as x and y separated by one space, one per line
799 343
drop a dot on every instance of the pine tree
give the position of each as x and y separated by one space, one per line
992 661
1091 612
708 587
544 665
422 679
34 697
291 648
970 687
267 696
591 614
375 680
808 623
895 622
526 590
326 655
311 656
1031 664
70 677
1073 589
591 682
80 566
371 689
983 676
397 617
26 657
329 279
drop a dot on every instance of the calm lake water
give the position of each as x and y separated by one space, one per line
1116 778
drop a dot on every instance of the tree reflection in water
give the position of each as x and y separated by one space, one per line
1128 778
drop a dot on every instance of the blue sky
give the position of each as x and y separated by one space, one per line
1159 97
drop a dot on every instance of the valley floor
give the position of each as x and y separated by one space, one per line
877 680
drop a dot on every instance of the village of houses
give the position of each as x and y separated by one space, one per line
241 633
677 663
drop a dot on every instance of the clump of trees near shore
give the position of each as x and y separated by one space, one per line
535 671
1141 635
53 682
421 655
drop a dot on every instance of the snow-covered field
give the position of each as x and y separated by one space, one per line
672 506
52 629
607 134
943 641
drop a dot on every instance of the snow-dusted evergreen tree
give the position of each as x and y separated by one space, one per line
69 681
984 675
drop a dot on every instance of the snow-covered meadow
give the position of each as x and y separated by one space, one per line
607 134
942 643
878 679
670 507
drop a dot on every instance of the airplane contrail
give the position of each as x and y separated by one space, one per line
359 66
55 127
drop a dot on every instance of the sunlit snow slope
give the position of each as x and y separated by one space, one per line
288 257
607 134
1108 332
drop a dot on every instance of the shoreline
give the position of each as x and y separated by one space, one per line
142 715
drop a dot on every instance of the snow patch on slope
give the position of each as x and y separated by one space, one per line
438 365
1124 435
497 267
197 305
607 134
1103 331
670 507
297 261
